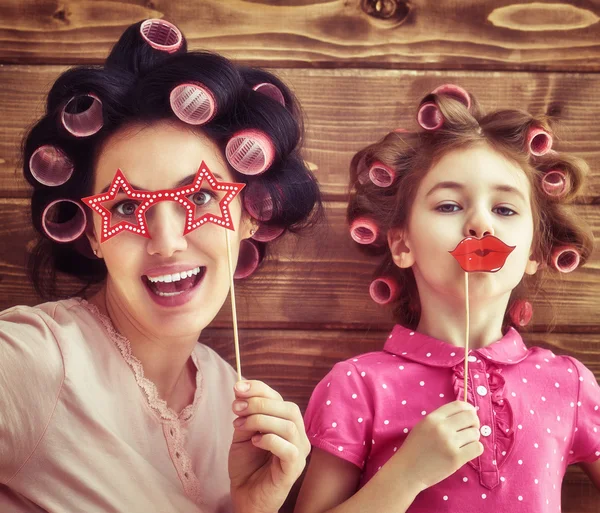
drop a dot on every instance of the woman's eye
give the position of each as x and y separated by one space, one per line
504 211
448 208
125 208
201 198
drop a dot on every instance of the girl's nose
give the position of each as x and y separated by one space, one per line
479 225
166 222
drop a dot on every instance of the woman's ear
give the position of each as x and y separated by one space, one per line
248 225
399 247
90 233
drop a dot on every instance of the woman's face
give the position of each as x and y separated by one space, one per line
469 193
169 283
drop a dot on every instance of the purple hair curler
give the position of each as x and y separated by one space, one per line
270 90
248 259
193 103
161 35
381 175
258 202
565 259
556 183
456 92
50 166
384 290
521 312
250 152
267 233
429 116
539 141
82 115
364 230
63 231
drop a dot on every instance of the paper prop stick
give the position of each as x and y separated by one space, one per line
487 254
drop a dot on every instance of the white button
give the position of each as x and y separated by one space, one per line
481 390
486 430
472 359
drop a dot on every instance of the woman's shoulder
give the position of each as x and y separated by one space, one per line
53 314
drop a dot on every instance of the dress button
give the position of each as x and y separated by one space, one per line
486 430
472 358
481 390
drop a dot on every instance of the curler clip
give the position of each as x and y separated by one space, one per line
193 103
82 115
556 183
250 152
539 141
520 313
161 35
64 220
381 175
248 259
50 166
364 231
270 90
565 259
384 290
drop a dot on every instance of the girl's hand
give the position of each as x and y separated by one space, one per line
269 448
441 443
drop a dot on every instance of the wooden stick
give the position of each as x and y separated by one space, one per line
466 333
233 309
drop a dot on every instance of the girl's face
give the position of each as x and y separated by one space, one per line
469 192
170 283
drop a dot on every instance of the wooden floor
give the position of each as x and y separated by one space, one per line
358 68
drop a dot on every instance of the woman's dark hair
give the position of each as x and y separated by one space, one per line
134 86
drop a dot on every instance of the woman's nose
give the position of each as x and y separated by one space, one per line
166 222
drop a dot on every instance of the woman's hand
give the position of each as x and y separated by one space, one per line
269 448
440 444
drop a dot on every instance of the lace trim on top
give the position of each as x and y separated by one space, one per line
155 402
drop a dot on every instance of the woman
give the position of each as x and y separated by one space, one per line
111 404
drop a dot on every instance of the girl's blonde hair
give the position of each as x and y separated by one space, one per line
409 155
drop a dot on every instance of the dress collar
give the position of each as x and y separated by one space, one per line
409 344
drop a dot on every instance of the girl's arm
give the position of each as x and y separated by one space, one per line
436 448
593 470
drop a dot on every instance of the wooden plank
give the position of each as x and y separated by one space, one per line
347 109
420 34
333 291
293 362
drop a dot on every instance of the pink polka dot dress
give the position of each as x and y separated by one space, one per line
539 413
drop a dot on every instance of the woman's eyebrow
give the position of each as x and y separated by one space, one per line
183 182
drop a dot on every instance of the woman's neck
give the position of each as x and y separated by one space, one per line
166 360
446 320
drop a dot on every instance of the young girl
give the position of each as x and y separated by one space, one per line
388 429
137 168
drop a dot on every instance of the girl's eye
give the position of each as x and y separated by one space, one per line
202 198
125 208
504 211
448 208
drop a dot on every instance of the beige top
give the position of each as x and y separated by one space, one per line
81 429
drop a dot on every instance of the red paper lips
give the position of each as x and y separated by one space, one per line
487 254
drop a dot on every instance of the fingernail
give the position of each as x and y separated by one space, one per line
239 422
240 405
256 438
242 386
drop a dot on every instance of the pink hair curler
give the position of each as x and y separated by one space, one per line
456 92
521 312
429 116
267 233
258 202
384 290
248 259
50 166
270 90
556 183
250 152
364 231
381 175
63 231
565 259
193 103
161 35
82 115
539 142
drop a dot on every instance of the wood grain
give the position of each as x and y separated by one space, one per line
346 109
416 34
333 290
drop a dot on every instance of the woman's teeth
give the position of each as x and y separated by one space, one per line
168 278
